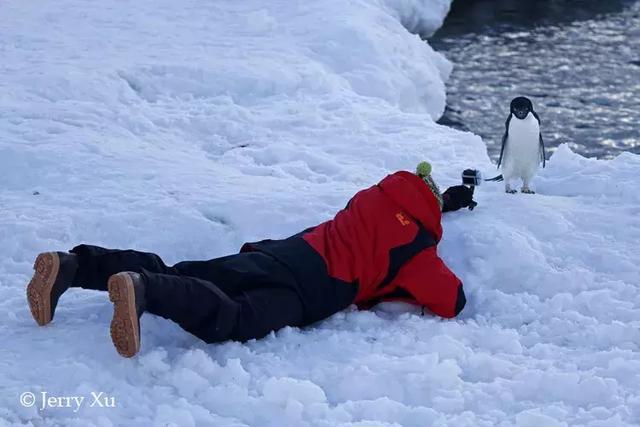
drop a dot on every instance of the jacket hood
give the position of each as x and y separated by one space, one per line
413 195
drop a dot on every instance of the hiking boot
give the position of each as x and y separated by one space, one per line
126 291
55 272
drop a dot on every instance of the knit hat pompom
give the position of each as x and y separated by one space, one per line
423 170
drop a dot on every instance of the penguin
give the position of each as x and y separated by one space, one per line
522 145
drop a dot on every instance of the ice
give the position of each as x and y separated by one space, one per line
188 128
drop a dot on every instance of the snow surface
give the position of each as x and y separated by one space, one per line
187 128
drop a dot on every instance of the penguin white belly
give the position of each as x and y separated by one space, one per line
522 151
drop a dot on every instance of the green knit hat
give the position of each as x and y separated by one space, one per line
423 170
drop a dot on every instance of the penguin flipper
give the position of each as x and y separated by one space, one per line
543 154
504 138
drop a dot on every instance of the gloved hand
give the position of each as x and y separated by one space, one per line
456 197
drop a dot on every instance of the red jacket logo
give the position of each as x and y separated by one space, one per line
403 220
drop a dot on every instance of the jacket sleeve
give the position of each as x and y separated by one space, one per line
431 284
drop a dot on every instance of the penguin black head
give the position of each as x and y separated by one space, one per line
521 106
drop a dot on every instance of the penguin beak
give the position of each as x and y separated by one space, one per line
521 114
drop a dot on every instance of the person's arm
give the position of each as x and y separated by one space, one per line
456 197
432 284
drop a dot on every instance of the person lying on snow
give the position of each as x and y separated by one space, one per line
380 247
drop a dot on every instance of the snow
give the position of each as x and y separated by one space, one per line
420 16
188 128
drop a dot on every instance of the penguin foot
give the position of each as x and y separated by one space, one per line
527 191
511 191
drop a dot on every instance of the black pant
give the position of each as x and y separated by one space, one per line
237 297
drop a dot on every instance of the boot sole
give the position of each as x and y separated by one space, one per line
46 266
125 331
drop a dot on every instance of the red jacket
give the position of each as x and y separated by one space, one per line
358 245
382 246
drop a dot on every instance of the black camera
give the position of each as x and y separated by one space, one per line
471 178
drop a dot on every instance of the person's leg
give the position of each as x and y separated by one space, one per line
232 274
237 273
202 309
84 266
90 267
266 310
96 265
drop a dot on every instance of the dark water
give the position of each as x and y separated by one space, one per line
578 61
